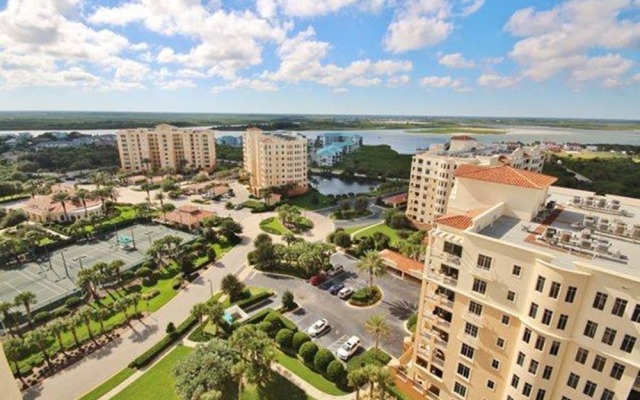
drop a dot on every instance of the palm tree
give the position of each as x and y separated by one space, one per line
99 179
382 377
357 379
377 327
147 187
199 311
116 268
134 299
215 313
160 197
257 351
85 316
7 321
122 305
289 238
100 315
72 326
86 280
372 264
14 349
40 339
146 162
239 370
61 197
82 195
58 327
26 299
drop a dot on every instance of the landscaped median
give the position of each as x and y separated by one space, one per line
273 226
365 297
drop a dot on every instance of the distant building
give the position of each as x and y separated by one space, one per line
572 146
45 208
187 216
166 146
231 141
275 160
334 146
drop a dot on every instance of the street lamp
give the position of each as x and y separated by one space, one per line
148 233
210 287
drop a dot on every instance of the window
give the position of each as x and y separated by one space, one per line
505 320
526 335
521 358
500 343
598 363
491 385
540 343
511 295
546 374
618 307
467 351
581 355
617 371
628 343
600 301
464 371
541 393
517 270
479 286
636 314
515 381
460 389
589 388
495 364
452 249
533 310
471 330
590 329
554 292
546 317
540 284
555 348
475 308
533 367
571 294
562 321
526 390
609 336
607 395
484 262
573 380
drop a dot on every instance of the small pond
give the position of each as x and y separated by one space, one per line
336 186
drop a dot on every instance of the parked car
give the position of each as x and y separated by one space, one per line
317 280
335 288
345 293
318 328
349 348
336 271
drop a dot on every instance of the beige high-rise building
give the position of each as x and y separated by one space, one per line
529 292
8 386
166 146
432 172
275 160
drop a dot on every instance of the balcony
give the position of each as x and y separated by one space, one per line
441 277
452 259
466 338
474 319
485 274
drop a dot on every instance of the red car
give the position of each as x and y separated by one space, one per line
317 280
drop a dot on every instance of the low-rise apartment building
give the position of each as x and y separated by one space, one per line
529 292
44 208
166 146
432 172
334 146
276 160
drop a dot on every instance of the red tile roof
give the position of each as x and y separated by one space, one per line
461 222
402 263
188 218
398 199
505 175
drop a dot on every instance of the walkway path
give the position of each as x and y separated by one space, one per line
83 376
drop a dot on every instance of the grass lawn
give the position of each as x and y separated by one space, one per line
108 385
356 228
370 356
126 213
274 226
252 203
315 379
392 233
312 200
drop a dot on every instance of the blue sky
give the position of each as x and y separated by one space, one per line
573 58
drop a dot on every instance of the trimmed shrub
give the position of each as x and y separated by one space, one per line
336 372
254 319
42 316
269 328
284 338
73 302
322 359
275 318
366 296
177 283
308 351
61 312
342 239
299 338
288 301
246 303
143 272
149 355
171 329
150 294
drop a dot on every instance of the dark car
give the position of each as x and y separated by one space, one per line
334 289
336 271
317 280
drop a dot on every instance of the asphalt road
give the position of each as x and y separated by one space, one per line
400 300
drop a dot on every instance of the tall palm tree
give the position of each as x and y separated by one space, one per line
382 377
14 349
372 264
72 326
134 300
62 197
7 321
122 305
146 162
100 315
258 352
58 327
83 195
26 299
85 315
99 179
86 280
215 313
199 311
357 379
116 269
40 339
147 187
160 197
377 327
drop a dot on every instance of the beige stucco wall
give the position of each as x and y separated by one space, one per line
8 385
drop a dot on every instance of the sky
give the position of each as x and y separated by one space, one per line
542 58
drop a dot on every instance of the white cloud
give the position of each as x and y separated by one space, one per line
398 80
175 84
440 82
496 81
455 60
251 84
471 6
340 90
563 39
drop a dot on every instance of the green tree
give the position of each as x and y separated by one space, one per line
26 299
100 315
342 239
377 327
40 338
14 348
289 238
308 351
72 326
357 378
7 321
115 267
199 311
83 195
232 287
215 314
86 280
58 327
147 187
322 359
85 315
373 265
257 351
62 198
230 230
288 300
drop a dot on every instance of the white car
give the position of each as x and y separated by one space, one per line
348 348
318 327
345 293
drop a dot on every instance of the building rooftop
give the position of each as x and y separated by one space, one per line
505 175
579 227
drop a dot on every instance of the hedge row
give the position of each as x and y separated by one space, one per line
149 355
248 302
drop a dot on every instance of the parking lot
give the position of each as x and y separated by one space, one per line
400 300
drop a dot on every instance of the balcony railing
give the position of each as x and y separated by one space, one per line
441 277
483 273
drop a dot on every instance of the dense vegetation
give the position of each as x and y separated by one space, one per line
376 161
228 153
609 176
69 159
